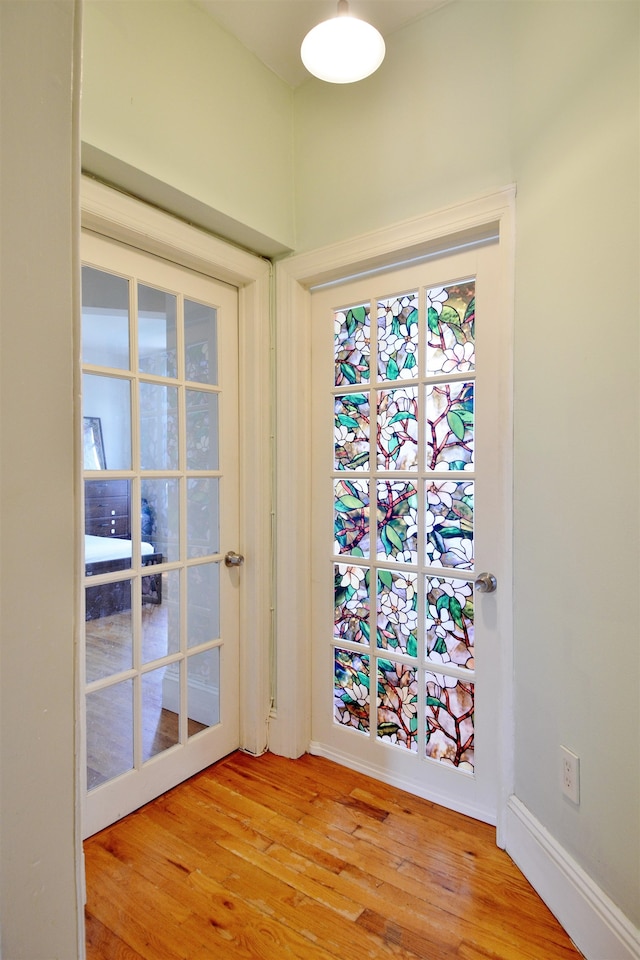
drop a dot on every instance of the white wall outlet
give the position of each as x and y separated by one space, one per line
570 775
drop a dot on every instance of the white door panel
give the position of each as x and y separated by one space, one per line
161 481
408 496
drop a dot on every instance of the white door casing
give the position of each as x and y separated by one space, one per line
454 229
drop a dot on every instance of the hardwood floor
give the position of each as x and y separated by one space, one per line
269 859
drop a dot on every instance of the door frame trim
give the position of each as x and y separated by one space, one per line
118 216
442 231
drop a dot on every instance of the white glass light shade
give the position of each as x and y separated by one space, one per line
342 50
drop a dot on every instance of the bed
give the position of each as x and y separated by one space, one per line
107 555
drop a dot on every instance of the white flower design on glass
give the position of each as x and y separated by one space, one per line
460 358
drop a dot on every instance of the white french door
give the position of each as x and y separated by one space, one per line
407 493
161 521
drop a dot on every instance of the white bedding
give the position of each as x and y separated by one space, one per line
97 549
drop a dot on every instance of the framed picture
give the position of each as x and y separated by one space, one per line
93 446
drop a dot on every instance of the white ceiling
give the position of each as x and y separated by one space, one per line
274 29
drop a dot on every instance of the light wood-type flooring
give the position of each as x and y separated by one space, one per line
271 859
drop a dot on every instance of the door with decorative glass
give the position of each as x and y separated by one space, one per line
160 495
407 509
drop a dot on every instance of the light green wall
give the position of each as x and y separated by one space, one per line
546 95
575 155
168 92
40 905
428 129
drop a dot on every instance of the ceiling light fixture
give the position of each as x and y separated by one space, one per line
343 49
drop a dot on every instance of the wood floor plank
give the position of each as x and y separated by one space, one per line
103 944
273 859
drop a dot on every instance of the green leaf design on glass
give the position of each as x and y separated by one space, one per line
398 337
351 517
397 429
352 344
351 603
449 426
397 521
449 524
451 328
397 611
351 432
351 690
449 621
456 424
348 502
392 371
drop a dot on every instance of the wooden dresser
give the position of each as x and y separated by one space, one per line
107 508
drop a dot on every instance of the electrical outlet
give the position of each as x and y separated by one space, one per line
570 775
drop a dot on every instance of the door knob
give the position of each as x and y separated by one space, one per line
486 583
233 559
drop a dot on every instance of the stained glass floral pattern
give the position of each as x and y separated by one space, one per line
397 521
351 695
398 704
398 337
449 524
197 362
352 344
351 432
449 426
449 621
449 715
351 517
397 429
451 328
404 428
202 430
397 612
351 603
158 427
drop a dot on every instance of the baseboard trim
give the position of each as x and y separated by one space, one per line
409 786
597 927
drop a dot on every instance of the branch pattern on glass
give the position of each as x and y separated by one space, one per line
197 362
398 704
449 622
398 337
351 432
449 715
449 426
351 517
451 328
351 603
352 344
449 524
397 429
397 612
397 521
351 696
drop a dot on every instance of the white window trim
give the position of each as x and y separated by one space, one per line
121 217
443 230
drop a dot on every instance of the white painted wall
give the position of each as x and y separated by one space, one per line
575 155
545 95
167 93
39 912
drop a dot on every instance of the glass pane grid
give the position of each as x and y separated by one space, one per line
166 445
403 482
